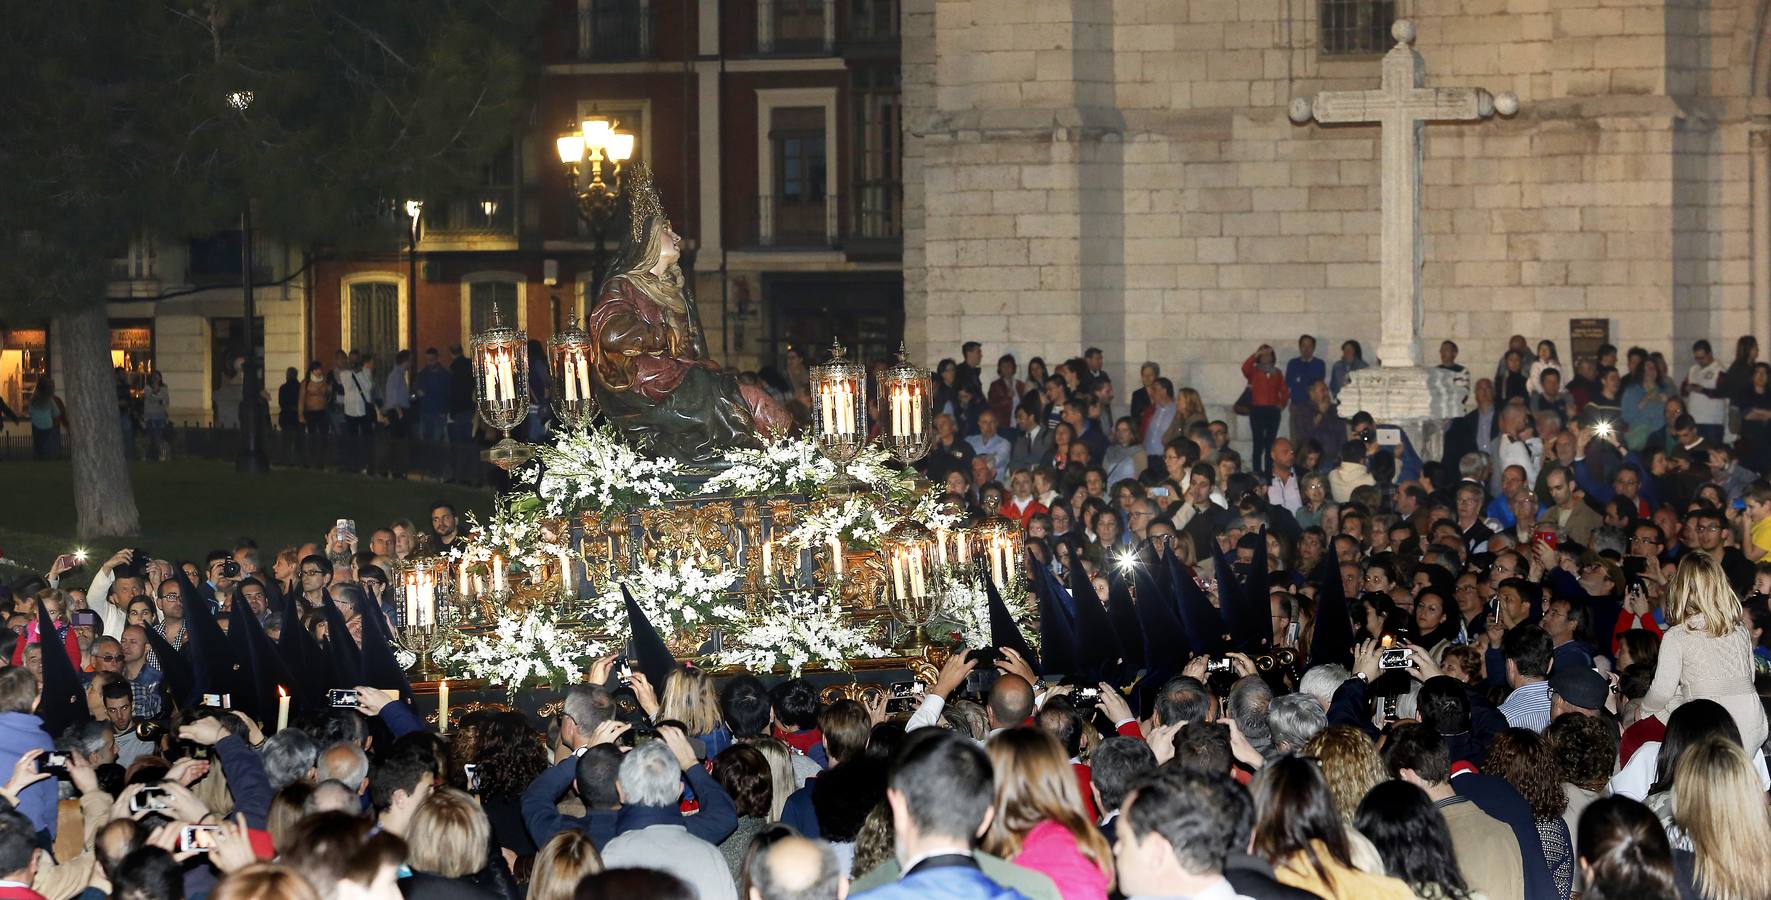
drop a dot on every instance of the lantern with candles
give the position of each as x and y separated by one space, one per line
419 594
913 579
501 388
997 553
839 407
906 425
568 359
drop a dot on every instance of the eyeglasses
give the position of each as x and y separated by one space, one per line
1711 528
172 595
109 657
1646 540
311 573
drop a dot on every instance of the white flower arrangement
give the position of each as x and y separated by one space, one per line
786 466
596 468
798 629
520 648
681 594
855 521
965 605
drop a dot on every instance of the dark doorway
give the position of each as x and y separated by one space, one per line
864 309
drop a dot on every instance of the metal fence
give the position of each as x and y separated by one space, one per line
379 453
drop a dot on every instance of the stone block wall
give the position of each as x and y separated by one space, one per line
1176 214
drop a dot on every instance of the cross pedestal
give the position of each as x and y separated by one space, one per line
1399 390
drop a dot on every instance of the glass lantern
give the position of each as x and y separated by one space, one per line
914 578
568 359
997 545
501 388
905 403
839 407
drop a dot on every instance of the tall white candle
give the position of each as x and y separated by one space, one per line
836 555
498 574
916 409
507 376
282 708
569 374
583 375
918 585
941 547
768 560
827 401
898 574
565 574
443 706
465 582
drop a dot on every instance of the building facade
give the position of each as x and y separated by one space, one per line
1123 173
771 129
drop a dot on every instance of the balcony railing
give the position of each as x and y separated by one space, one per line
488 212
793 224
610 30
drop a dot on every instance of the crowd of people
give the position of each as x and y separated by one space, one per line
1535 668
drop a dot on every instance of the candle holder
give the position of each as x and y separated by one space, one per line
914 579
568 359
420 588
501 389
998 539
906 427
839 410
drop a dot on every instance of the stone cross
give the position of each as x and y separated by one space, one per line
1401 106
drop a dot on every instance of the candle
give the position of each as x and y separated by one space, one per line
443 706
463 583
570 377
583 375
827 400
848 409
565 573
917 585
965 548
498 574
915 396
507 376
996 564
836 555
282 708
768 560
898 574
941 547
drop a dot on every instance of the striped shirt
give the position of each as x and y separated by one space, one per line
1528 706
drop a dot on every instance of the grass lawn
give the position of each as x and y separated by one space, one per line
189 507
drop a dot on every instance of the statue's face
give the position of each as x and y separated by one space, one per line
670 247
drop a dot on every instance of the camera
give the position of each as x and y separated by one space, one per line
985 657
84 618
219 701
343 698
136 567
1396 658
198 838
53 763
149 799
229 569
904 695
1220 664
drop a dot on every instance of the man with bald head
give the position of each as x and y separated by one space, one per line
1284 489
1010 703
345 763
797 868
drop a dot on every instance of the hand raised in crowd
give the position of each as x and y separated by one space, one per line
120 558
678 743
185 805
24 774
206 731
1421 666
607 731
959 664
1162 741
1011 663
165 837
1114 705
188 771
1240 748
1365 660
875 704
644 694
254 734
600 667
1243 665
81 773
370 701
233 846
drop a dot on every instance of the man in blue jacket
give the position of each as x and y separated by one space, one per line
939 791
21 732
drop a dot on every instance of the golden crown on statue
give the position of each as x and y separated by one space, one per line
642 201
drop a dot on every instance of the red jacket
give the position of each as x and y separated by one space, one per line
1265 388
19 893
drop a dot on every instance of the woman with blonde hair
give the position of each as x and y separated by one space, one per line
561 864
1039 819
690 698
1189 411
781 780
1706 652
449 839
1719 807
1350 765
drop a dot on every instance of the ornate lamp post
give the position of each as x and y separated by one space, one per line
583 153
568 358
501 388
414 215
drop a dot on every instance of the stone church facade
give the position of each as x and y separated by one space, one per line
1123 174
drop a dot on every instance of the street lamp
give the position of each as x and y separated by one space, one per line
252 459
583 153
414 214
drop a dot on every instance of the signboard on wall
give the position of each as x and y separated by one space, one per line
1586 336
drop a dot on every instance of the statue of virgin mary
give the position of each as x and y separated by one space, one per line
654 379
